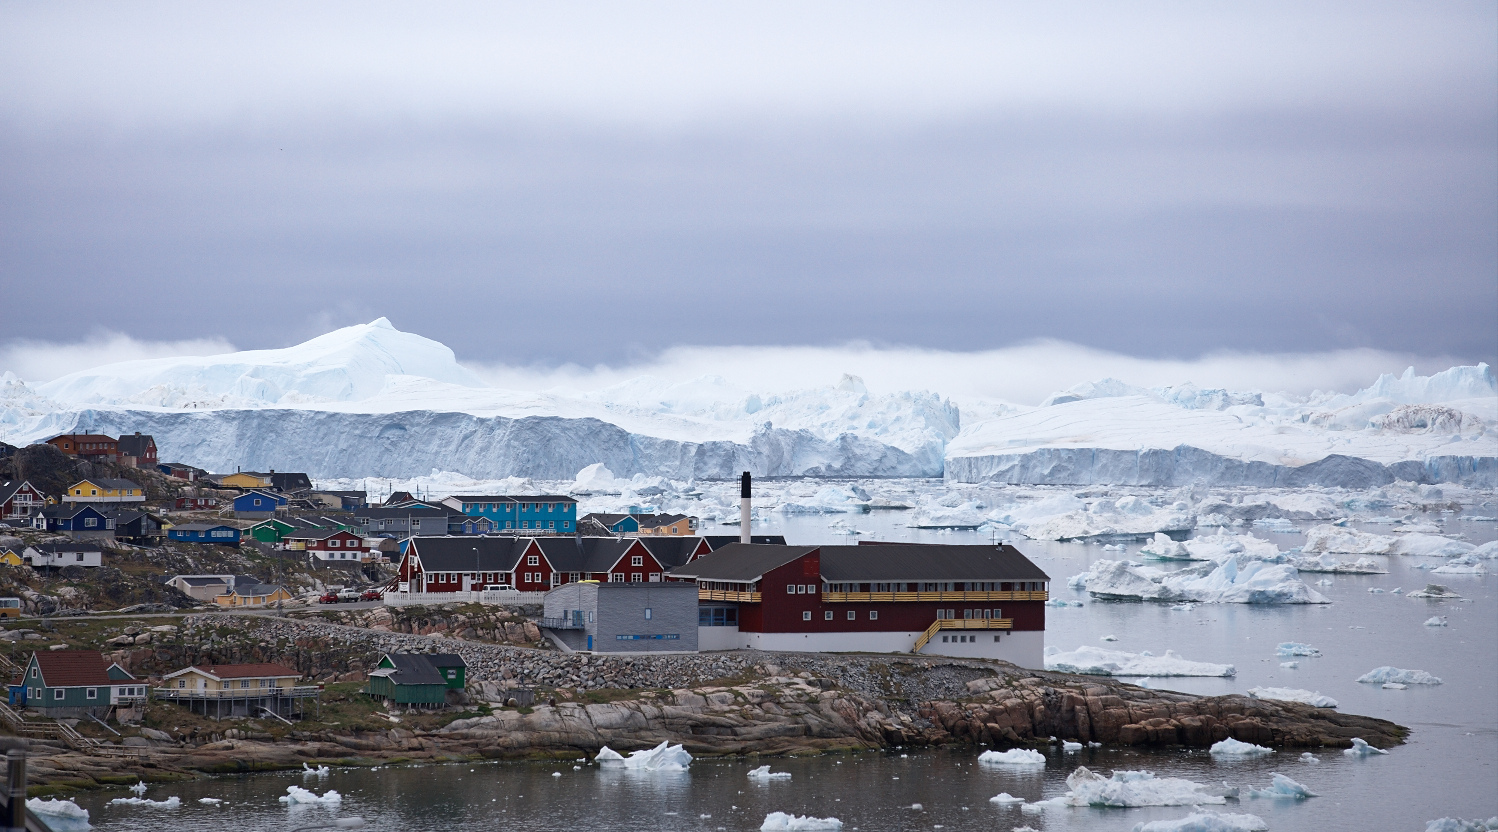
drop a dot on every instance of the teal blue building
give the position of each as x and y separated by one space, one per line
539 514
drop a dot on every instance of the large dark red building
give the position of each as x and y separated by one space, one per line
975 601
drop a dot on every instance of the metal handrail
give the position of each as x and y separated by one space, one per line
565 623
867 597
298 692
728 595
961 624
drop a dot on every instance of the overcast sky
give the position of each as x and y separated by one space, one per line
548 183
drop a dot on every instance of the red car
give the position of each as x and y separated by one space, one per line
330 598
371 595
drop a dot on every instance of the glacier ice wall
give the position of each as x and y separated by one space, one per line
1184 465
414 443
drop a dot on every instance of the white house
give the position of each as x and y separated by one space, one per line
63 554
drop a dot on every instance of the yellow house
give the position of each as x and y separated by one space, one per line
232 679
246 479
678 524
9 558
105 491
252 595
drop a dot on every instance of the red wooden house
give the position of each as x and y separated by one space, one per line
87 445
328 544
19 500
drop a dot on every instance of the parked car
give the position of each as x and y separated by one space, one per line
371 595
498 588
349 595
330 598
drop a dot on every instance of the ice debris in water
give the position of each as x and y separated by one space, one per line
782 822
764 773
1059 602
1395 686
1308 757
1460 825
1360 748
1109 637
1435 591
1282 787
60 815
1387 674
1290 665
1206 822
139 788
1095 661
170 803
1228 582
1329 563
556 774
296 794
209 801
1295 648
1005 799
1313 698
309 771
1436 621
1234 748
1069 746
1468 565
1012 757
664 757
1136 788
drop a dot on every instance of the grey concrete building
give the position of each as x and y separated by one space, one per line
645 617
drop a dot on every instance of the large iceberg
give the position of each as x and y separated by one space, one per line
1126 789
1392 675
1095 661
1232 748
1017 757
1282 788
1257 582
1309 697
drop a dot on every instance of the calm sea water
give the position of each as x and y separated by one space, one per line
1449 766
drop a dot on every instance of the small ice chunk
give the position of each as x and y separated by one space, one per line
1313 698
764 773
1005 799
209 801
1109 637
1434 591
1282 787
139 788
1069 746
60 815
1436 621
917 807
1132 788
1206 822
1295 648
664 757
170 803
782 822
309 771
1385 674
1234 748
1308 757
1395 686
1290 665
556 774
297 795
1022 757
1360 749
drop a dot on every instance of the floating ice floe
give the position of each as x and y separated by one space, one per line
1068 746
1290 665
782 822
1109 637
1058 602
1360 748
1235 748
1487 551
1313 698
1329 563
1022 757
1466 565
1436 621
170 803
1127 517
1276 525
1257 582
1206 821
664 757
320 771
139 788
209 801
1136 788
1095 661
1282 787
1005 799
764 773
297 795
1435 592
1395 686
1308 757
1431 546
60 815
1387 674
1460 825
1295 648
1163 548
1338 540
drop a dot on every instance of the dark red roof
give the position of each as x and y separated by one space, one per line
70 668
241 671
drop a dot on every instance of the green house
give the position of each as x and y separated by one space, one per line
271 531
74 683
419 680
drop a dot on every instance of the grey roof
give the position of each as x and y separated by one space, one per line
456 554
289 481
202 527
52 548
68 510
583 554
605 519
203 581
879 563
718 541
398 512
8 489
650 521
421 668
670 552
135 445
740 563
254 589
927 562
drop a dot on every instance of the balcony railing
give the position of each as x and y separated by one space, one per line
562 624
955 597
961 624
298 692
728 595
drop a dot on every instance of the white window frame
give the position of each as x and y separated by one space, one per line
91 693
873 615
806 615
827 615
637 560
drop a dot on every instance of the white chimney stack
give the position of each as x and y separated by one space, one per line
745 509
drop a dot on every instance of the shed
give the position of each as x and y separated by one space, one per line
417 679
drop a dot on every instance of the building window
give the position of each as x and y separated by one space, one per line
637 560
635 576
873 615
58 693
618 577
649 613
33 673
806 615
533 560
827 616
181 683
790 590
334 544
91 693
852 616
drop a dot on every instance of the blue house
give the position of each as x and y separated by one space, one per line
607 524
469 524
204 533
258 504
543 513
78 520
